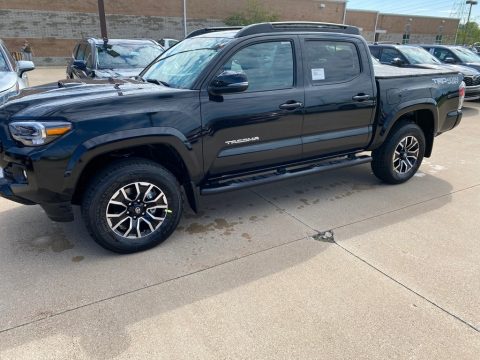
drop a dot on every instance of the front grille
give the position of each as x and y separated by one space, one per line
472 80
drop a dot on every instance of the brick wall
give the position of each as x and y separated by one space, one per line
53 26
422 29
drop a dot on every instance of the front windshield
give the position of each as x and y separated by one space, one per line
180 65
466 55
416 55
124 56
3 63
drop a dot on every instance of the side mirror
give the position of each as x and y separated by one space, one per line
24 66
80 64
228 82
397 62
449 60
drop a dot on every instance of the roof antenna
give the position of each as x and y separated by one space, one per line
105 42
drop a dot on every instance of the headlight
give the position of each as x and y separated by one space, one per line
34 133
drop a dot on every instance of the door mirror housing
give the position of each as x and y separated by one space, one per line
228 82
397 62
24 66
80 64
450 60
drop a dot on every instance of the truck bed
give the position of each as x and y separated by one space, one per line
389 72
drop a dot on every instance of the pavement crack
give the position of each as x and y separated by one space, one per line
328 236
465 322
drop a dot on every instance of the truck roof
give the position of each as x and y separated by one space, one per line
276 27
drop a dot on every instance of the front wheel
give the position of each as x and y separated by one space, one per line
400 156
132 205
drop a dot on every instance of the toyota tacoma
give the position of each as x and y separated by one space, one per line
224 109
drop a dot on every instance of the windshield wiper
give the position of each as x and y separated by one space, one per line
158 82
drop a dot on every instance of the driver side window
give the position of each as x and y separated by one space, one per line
388 55
442 54
268 65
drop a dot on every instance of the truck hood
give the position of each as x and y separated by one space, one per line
117 73
47 99
8 80
465 70
475 65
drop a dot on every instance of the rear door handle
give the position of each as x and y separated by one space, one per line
361 97
291 105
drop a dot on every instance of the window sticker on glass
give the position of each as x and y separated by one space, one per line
318 74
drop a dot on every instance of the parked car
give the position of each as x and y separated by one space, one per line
12 74
220 111
168 43
418 57
450 54
111 58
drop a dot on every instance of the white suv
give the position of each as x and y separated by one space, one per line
12 74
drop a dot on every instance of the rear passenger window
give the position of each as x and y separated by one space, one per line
330 61
268 65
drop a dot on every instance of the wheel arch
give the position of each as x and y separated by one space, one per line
173 152
425 115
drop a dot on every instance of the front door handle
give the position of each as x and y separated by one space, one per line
361 97
291 105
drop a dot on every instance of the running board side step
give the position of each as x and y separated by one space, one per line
282 174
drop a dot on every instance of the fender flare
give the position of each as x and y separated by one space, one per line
124 139
386 123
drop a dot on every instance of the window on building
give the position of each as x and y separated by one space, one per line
268 65
438 39
406 38
332 61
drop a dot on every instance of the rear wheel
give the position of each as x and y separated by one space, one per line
400 156
132 205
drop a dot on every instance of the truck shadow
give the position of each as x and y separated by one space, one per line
245 226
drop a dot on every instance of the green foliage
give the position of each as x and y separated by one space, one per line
254 13
468 33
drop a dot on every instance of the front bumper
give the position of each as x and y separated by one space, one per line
472 93
15 189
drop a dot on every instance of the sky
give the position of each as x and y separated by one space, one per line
442 8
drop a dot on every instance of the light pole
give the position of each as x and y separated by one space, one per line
471 3
103 22
185 17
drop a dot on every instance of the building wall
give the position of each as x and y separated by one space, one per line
422 29
54 26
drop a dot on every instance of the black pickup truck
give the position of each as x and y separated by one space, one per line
222 110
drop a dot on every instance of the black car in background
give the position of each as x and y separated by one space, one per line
111 58
458 55
417 57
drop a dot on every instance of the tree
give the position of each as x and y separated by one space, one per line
254 13
470 32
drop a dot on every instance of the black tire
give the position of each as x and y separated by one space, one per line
109 182
385 167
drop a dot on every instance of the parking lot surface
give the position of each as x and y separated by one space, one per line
336 265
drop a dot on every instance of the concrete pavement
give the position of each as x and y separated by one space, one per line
245 278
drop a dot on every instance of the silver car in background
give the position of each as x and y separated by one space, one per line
12 74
